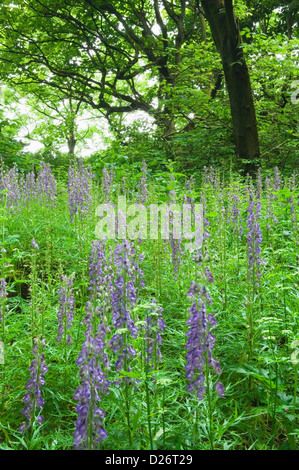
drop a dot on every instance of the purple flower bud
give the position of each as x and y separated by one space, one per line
34 244
33 399
219 389
194 289
209 275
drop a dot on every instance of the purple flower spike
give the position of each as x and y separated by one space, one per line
33 399
123 298
254 237
107 183
142 186
89 432
219 389
66 309
46 186
79 190
200 342
209 276
194 289
3 295
34 244
154 327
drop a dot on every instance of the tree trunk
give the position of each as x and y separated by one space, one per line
166 123
71 142
164 116
291 17
71 128
203 28
226 34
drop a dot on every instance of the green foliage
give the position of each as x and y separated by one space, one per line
274 63
89 69
11 148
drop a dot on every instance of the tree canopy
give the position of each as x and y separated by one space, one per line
191 66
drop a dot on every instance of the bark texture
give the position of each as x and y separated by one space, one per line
226 34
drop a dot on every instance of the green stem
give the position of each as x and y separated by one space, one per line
127 403
163 415
210 409
295 388
65 351
148 412
90 424
274 406
196 421
284 300
3 307
33 297
127 400
159 268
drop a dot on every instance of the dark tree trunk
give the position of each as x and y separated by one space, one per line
291 17
164 116
166 123
226 35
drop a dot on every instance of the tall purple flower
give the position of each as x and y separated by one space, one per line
46 185
79 190
33 399
176 250
3 295
136 270
154 326
89 431
107 184
66 309
101 276
254 237
143 191
188 213
200 344
123 299
188 198
270 216
206 222
209 176
127 258
29 188
10 187
176 253
236 218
